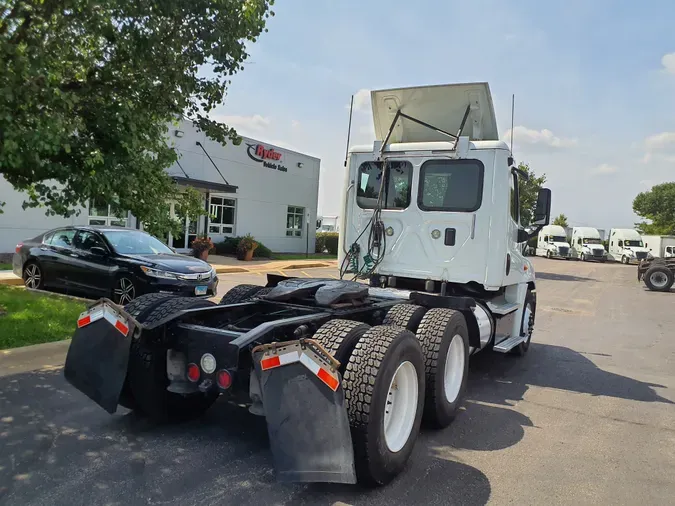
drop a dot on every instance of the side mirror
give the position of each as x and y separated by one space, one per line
542 213
523 235
98 251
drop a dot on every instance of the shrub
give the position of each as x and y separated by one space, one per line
327 241
262 251
228 246
246 244
201 244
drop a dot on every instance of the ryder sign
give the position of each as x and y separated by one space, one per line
266 156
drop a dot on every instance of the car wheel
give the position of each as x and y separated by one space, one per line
124 291
32 276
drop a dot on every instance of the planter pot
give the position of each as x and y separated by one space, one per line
204 255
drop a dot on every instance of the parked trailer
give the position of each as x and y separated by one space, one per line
344 372
660 246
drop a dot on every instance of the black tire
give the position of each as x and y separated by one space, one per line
261 293
124 291
240 293
548 254
146 373
625 260
436 332
530 301
140 306
33 276
407 316
583 257
665 274
370 370
339 337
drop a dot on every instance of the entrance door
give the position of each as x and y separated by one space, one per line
183 241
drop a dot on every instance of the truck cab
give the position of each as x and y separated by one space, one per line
430 210
660 246
552 242
626 246
587 245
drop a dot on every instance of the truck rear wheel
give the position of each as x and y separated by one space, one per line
659 278
384 394
339 337
407 316
147 376
444 337
240 293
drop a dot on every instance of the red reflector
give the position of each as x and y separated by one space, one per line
224 379
18 248
193 372
270 363
121 327
84 321
328 379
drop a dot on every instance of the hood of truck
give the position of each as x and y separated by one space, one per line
559 244
442 106
592 247
636 249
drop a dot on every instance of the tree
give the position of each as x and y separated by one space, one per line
561 220
88 91
658 206
528 192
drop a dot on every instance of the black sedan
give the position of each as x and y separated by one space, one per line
119 263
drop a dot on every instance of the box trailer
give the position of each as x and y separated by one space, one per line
660 246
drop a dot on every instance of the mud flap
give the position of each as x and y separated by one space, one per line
98 355
306 415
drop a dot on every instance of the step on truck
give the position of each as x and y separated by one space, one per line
345 371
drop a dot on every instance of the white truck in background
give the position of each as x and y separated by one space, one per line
626 246
327 224
660 246
587 245
552 242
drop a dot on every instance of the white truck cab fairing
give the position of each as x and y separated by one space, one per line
587 244
449 213
552 242
626 246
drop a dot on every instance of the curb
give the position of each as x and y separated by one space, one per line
11 281
22 350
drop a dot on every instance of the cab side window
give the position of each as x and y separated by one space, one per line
620 244
545 238
515 198
579 241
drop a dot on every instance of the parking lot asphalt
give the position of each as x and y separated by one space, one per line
586 417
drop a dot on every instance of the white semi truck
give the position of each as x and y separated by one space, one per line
344 371
552 242
587 245
660 246
626 246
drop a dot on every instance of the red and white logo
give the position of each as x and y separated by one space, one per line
260 153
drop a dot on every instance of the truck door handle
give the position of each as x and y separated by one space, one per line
450 234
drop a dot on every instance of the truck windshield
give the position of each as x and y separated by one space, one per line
397 189
592 241
558 238
632 243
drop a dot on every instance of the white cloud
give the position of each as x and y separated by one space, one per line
251 124
524 135
660 146
668 62
295 123
362 100
604 169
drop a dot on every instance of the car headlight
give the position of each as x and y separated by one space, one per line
156 273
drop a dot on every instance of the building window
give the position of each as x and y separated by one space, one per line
222 211
294 220
102 214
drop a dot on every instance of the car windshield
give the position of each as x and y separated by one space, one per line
632 243
558 238
132 242
592 241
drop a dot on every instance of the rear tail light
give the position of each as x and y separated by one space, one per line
224 379
193 372
18 247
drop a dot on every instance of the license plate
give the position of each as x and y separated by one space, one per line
200 290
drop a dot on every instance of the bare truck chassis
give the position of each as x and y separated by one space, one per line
171 357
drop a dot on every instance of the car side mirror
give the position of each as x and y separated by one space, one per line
542 213
98 251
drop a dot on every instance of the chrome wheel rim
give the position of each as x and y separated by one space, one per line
125 291
658 279
454 368
400 407
32 276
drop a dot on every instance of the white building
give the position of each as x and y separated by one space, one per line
254 188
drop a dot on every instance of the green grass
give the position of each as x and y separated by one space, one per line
5 267
31 318
301 256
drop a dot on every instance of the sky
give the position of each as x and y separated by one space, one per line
594 86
